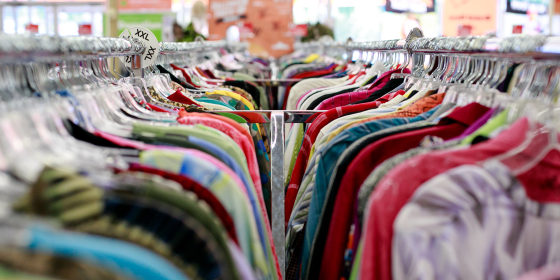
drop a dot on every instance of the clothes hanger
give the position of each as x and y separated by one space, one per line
402 65
38 130
541 139
544 121
130 106
129 93
552 91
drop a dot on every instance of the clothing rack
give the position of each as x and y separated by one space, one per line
167 48
17 48
516 46
534 47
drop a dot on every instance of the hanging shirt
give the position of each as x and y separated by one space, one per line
304 86
139 262
229 193
396 188
412 110
311 134
242 137
382 85
179 97
366 155
308 74
237 133
326 165
354 97
306 192
177 135
475 222
214 104
201 192
334 148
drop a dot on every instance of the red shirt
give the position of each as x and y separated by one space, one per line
185 75
311 135
179 97
158 109
398 186
360 168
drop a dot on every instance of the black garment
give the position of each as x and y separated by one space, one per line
184 241
479 139
317 249
505 83
293 267
174 78
81 134
388 87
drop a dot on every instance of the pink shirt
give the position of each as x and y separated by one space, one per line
398 186
550 272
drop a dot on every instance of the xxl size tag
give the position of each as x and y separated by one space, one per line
145 37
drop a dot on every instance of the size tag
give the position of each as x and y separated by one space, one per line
147 39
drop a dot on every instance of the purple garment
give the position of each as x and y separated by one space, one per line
476 125
474 222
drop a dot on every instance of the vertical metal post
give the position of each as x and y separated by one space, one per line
48 20
551 8
55 19
277 185
2 18
14 14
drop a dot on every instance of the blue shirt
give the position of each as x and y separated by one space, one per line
125 257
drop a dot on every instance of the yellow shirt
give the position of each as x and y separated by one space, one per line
233 95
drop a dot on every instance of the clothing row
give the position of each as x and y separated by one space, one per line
408 177
108 177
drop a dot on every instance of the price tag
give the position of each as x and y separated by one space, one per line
147 39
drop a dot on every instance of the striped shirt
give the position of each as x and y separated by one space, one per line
474 222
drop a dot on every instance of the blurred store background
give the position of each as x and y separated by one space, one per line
272 26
